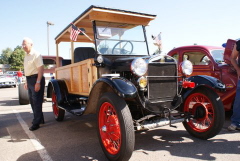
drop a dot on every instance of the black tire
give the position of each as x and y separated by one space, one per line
114 117
208 111
22 95
58 112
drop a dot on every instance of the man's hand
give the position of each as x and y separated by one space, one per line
25 86
37 87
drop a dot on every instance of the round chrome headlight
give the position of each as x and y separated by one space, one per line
100 59
187 67
139 66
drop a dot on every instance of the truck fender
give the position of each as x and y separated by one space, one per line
122 87
60 89
204 80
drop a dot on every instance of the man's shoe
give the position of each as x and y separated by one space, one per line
34 127
232 127
42 122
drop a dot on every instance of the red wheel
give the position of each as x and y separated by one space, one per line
58 112
110 131
208 113
115 127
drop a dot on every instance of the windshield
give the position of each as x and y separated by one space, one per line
218 55
120 39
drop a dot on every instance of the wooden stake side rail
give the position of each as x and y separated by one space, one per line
79 77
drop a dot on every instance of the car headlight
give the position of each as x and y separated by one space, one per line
100 59
139 66
187 67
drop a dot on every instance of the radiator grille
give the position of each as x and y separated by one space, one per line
162 82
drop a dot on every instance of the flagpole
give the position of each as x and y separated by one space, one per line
87 36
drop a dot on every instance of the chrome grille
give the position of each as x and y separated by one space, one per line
162 82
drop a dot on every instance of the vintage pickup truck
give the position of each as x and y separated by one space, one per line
125 87
211 61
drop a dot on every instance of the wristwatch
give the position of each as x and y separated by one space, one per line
38 81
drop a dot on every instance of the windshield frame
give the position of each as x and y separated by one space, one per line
107 39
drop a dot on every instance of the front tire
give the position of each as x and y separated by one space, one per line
58 112
208 111
115 127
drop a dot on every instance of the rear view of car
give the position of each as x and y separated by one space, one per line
7 80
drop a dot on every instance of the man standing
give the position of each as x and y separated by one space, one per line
235 60
35 82
19 76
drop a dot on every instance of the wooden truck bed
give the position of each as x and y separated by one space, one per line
75 76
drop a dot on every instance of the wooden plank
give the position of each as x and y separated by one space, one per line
79 77
72 52
120 18
75 79
85 39
85 87
57 61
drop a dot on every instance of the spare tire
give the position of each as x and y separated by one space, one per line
22 95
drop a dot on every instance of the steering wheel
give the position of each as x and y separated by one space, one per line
123 43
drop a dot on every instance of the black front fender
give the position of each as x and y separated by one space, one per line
203 80
122 87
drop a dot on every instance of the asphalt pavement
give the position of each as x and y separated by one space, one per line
76 139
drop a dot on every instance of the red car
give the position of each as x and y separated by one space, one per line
212 61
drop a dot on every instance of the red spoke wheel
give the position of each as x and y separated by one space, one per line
58 112
115 127
208 113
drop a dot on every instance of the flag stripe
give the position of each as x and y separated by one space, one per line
74 33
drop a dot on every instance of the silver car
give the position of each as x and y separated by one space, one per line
8 80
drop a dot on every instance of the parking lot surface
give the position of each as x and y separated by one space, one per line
76 139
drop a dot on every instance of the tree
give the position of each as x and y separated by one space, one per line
16 58
4 57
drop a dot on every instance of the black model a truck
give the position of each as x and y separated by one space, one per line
127 88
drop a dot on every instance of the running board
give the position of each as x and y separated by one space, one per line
157 123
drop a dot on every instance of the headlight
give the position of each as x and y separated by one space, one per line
139 66
187 67
100 59
142 81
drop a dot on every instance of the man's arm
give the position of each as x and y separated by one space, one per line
40 73
39 78
234 57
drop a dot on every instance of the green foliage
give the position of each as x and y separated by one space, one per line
16 58
4 57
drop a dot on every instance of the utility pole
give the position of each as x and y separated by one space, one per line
48 23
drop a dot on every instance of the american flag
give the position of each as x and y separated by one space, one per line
158 39
74 33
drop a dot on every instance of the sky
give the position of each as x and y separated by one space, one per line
181 22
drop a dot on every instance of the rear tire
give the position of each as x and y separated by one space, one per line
22 95
208 111
115 127
58 112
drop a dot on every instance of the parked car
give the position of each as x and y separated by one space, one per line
14 73
7 80
211 61
128 89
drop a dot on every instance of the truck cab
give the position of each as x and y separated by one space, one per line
212 61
